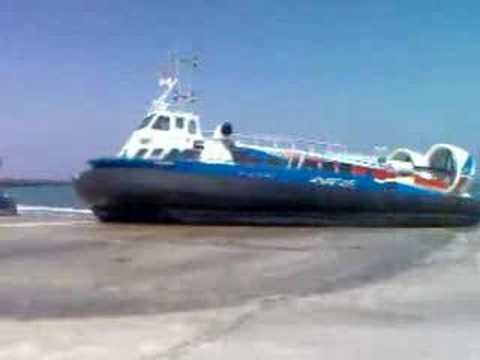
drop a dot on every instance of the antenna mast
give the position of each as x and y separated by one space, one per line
175 93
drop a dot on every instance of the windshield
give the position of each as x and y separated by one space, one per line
145 122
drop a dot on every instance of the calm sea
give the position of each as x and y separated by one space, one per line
63 198
46 198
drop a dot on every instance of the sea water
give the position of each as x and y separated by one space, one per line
46 198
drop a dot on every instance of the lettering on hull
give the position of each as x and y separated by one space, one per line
321 181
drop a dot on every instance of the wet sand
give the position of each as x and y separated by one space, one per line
76 289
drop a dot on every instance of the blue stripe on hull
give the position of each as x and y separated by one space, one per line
324 178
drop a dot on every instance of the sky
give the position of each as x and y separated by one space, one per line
77 76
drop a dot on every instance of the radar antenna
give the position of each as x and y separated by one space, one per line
175 93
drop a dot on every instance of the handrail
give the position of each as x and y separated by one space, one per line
275 141
303 146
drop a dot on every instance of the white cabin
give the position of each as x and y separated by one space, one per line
169 130
162 132
166 129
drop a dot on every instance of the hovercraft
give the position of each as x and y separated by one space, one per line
169 171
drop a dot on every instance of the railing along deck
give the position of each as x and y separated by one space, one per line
305 147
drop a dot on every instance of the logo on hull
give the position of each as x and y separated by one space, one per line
344 183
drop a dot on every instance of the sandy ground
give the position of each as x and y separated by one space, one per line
75 289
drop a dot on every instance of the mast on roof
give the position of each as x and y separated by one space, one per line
175 92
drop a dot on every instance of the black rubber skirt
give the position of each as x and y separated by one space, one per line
153 195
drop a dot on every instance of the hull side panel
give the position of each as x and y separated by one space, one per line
230 194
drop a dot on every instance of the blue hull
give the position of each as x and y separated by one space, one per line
194 192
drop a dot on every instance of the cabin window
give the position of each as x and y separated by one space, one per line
157 152
198 144
192 127
141 153
145 122
162 123
172 155
179 123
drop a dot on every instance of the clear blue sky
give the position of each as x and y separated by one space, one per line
77 76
